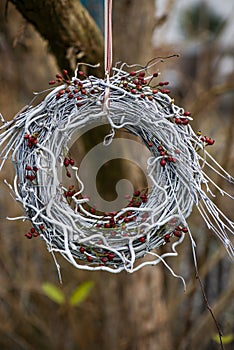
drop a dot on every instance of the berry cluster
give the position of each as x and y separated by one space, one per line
70 192
33 233
31 139
103 257
66 163
208 141
137 83
61 78
165 156
74 88
113 219
31 172
177 233
183 120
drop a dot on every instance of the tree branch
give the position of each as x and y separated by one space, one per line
71 32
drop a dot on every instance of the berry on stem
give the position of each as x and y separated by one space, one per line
163 162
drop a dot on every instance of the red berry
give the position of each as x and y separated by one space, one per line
163 162
161 83
28 235
136 193
66 162
89 258
155 75
32 230
92 210
59 76
142 95
26 136
142 74
110 256
68 174
177 120
150 143
72 162
41 227
187 114
184 121
52 82
154 91
28 167
31 177
209 141
132 73
104 260
141 239
112 221
35 169
65 72
82 250
184 229
160 148
81 73
177 233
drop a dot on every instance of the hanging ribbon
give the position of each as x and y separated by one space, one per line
108 36
108 48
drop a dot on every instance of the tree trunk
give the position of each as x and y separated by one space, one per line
133 26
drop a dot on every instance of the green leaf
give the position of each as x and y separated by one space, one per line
226 339
81 293
53 292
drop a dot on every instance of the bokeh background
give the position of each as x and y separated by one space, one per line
147 310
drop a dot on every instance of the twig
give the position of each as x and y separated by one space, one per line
210 309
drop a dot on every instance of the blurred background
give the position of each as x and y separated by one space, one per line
149 309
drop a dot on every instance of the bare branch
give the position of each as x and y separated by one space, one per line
71 33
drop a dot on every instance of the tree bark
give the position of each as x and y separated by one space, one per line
70 31
133 26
